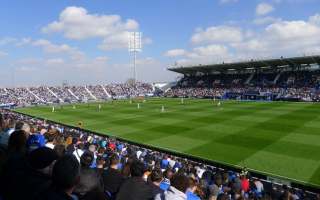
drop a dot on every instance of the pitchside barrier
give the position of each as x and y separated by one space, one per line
269 180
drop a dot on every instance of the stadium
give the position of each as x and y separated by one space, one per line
232 130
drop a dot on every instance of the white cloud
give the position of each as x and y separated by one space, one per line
175 52
279 38
204 55
3 54
76 23
116 41
52 48
264 8
282 38
217 34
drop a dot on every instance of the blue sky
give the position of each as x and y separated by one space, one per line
85 42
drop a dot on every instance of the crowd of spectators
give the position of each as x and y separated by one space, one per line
24 96
127 89
300 86
44 160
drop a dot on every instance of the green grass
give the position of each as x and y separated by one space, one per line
277 138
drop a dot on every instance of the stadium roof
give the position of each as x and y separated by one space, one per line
252 64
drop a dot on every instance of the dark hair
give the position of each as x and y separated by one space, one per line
114 159
50 136
137 168
65 173
60 149
17 142
19 125
180 182
168 173
86 159
223 197
156 175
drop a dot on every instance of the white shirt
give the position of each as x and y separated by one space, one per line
50 145
78 153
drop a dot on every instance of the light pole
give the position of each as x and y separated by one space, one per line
135 46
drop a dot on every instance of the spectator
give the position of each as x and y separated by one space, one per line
37 177
78 151
50 136
65 177
6 131
89 179
60 149
135 188
178 188
15 166
155 180
112 178
191 190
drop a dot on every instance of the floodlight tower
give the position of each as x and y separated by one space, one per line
135 46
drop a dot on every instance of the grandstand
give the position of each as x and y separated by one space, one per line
291 79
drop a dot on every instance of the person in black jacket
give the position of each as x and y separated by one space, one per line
90 182
155 179
135 188
65 177
112 178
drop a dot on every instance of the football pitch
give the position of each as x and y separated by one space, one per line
277 138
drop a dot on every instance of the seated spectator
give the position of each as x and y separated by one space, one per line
112 177
178 188
135 188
